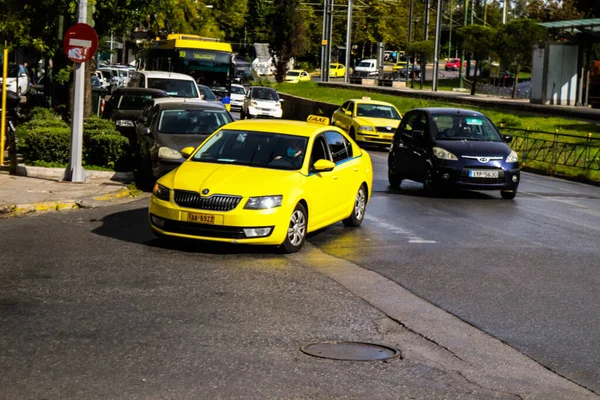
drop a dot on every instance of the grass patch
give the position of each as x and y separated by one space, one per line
512 119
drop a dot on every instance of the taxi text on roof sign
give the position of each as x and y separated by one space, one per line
318 119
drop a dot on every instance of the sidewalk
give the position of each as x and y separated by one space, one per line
21 194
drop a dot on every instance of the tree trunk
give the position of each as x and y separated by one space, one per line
474 84
514 91
282 61
90 67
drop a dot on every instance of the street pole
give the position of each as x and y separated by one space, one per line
438 31
425 37
484 12
4 77
504 11
324 39
74 171
348 42
450 34
462 53
410 17
330 34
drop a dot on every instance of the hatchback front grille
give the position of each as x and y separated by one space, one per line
216 202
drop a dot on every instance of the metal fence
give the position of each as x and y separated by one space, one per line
553 148
502 91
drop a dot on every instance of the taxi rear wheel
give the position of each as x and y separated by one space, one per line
296 233
358 211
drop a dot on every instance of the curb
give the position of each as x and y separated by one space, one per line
8 211
57 173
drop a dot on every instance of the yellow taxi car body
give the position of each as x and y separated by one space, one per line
399 66
296 75
264 182
337 70
368 121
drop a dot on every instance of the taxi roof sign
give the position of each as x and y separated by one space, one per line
317 119
366 98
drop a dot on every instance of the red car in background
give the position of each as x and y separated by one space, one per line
453 64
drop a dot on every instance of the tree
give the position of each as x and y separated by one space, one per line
289 37
591 8
553 10
515 41
479 41
422 51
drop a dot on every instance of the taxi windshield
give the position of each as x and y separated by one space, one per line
254 149
377 111
293 73
461 127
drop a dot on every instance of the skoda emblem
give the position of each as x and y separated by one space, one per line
205 191
389 128
483 160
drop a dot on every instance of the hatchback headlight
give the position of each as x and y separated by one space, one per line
125 123
168 153
443 154
512 157
263 202
365 128
161 192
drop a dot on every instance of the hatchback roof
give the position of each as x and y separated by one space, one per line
142 91
166 75
190 105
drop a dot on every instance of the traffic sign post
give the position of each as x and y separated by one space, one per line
80 44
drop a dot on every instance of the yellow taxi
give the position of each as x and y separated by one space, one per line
268 182
368 121
296 75
337 70
399 66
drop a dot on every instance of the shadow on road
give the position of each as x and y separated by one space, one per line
414 189
133 226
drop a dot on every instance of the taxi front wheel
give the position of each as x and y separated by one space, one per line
358 211
296 234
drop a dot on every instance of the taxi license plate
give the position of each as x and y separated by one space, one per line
483 174
201 218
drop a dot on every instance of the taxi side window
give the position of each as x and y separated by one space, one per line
346 106
319 151
340 148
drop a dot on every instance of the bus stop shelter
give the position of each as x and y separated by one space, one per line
582 33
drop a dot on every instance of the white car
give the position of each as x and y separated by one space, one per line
367 67
175 84
261 101
238 92
17 79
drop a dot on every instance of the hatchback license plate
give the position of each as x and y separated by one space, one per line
201 218
483 174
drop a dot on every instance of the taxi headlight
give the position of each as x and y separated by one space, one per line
366 128
125 123
161 192
168 153
263 202
443 154
512 157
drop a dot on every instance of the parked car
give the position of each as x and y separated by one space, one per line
207 94
416 68
366 67
261 101
264 183
337 70
238 92
17 79
126 106
296 75
175 84
170 127
368 121
116 75
111 77
452 64
447 148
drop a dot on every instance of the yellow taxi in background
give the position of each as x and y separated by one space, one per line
399 66
296 75
337 70
367 120
264 182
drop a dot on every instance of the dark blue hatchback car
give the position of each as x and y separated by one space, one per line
448 148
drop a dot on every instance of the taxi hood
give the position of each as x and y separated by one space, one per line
231 179
378 121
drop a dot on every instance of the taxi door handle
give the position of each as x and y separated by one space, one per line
355 169
335 177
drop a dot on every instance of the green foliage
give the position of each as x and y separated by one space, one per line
478 40
422 50
46 144
289 38
105 149
63 76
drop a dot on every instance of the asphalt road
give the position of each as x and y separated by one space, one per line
92 306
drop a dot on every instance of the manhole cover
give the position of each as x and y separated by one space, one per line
352 351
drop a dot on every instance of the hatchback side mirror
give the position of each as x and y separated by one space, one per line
281 100
507 138
142 120
145 132
419 135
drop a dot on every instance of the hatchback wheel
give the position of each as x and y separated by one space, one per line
429 184
508 194
358 212
393 178
296 234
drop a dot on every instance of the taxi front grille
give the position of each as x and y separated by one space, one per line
216 202
384 129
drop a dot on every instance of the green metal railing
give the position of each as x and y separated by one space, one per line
556 149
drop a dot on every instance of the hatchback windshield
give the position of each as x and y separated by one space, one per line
174 87
256 149
192 122
462 127
377 111
132 102
237 90
264 94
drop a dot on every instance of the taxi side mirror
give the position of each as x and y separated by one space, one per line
187 152
348 113
323 165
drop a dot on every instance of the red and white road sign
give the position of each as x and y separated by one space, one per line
80 43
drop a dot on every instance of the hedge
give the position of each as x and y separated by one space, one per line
47 139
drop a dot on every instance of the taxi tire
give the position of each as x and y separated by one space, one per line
508 194
287 246
355 220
